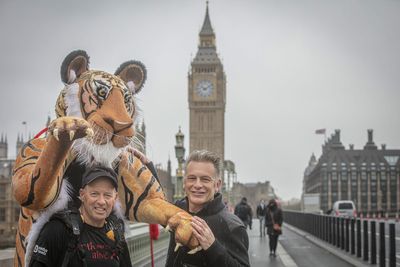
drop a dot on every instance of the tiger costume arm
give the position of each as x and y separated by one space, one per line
150 205
41 163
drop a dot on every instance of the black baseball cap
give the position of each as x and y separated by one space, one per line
97 172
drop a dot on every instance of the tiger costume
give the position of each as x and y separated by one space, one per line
94 125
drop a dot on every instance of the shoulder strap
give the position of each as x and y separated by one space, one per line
272 217
73 221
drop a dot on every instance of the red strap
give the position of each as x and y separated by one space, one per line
41 132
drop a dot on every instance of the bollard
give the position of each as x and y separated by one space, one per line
334 231
392 245
359 238
326 228
382 251
352 242
330 230
338 232
321 227
365 241
373 242
347 235
342 239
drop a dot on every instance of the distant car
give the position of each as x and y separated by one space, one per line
344 208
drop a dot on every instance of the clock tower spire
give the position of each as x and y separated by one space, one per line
207 94
207 36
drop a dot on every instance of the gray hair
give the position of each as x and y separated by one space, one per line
205 156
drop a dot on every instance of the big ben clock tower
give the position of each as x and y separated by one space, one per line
207 95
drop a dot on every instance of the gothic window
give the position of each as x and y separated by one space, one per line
393 190
2 191
210 122
201 122
2 214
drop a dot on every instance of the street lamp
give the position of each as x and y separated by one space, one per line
180 156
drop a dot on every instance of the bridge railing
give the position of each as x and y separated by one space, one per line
138 240
348 235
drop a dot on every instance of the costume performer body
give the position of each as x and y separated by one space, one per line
94 125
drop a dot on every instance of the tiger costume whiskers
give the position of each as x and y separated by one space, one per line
95 117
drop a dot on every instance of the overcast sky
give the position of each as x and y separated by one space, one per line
292 67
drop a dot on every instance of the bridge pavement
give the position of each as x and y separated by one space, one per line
293 251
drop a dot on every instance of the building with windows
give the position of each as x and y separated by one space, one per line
254 192
370 177
9 208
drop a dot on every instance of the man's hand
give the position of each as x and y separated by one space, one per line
202 232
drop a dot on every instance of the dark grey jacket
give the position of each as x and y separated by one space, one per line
276 217
231 239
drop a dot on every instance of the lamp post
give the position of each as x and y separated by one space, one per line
180 155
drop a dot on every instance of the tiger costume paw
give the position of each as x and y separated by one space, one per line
70 129
180 224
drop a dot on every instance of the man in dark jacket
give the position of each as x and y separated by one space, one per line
261 211
244 212
222 236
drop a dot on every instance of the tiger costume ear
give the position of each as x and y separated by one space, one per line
133 73
76 63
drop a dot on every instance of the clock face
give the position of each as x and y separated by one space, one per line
204 88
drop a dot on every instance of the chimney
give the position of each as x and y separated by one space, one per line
337 134
351 147
370 144
370 136
383 146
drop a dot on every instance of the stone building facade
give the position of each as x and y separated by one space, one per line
9 208
370 177
254 192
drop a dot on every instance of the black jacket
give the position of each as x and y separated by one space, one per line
273 215
231 240
243 211
261 211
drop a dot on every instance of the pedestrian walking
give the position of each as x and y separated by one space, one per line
273 222
261 212
244 212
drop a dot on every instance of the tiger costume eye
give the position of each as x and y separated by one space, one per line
102 92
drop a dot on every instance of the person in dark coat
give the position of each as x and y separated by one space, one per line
273 217
222 236
261 212
244 212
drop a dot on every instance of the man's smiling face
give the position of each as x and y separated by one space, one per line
200 184
98 199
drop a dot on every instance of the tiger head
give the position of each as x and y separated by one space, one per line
105 100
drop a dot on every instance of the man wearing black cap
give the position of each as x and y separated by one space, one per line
98 241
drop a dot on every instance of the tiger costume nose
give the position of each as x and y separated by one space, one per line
118 125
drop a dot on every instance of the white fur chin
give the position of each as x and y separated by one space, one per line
90 154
